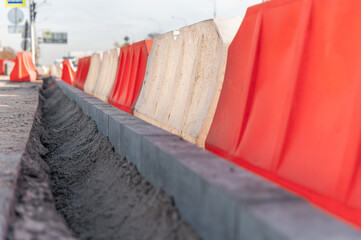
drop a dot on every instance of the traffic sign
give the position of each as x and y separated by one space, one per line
16 28
15 16
51 37
15 3
47 34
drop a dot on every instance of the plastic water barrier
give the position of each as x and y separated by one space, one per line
185 73
93 73
82 72
107 74
24 69
129 79
43 70
290 107
56 70
68 72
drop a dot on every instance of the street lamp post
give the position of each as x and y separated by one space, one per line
32 28
33 7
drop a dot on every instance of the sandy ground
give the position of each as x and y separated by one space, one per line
18 102
99 194
26 196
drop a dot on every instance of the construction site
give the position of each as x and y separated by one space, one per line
242 127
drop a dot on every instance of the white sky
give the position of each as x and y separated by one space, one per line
96 25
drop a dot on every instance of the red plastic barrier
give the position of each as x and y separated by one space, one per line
129 79
290 107
82 72
24 69
78 72
2 66
68 72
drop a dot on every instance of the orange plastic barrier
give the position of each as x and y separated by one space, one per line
24 69
68 72
129 79
78 72
82 72
2 66
290 107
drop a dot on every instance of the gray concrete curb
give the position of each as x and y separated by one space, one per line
218 199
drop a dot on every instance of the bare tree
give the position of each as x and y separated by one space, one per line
7 53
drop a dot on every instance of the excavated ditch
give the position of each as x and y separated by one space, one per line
71 178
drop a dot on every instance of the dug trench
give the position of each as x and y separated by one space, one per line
73 184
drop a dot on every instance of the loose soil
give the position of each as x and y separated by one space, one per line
98 193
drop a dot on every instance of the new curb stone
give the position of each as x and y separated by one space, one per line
217 198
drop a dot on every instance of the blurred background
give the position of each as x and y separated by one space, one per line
92 26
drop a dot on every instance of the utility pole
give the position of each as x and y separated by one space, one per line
32 28
26 35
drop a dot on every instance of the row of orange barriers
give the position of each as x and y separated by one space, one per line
24 68
132 62
288 108
130 75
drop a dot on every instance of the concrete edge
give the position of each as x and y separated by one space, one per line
218 199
